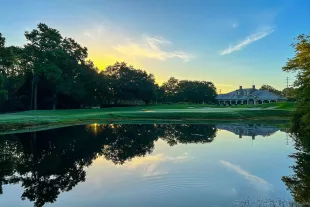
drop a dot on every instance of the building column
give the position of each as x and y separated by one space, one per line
269 101
254 101
247 102
236 102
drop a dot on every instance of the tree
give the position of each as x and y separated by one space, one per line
196 91
300 63
130 84
73 66
189 91
289 93
3 93
170 89
51 71
271 89
42 52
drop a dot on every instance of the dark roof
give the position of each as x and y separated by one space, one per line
246 130
249 93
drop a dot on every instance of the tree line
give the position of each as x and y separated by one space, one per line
53 72
289 93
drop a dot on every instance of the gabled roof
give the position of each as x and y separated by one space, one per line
243 94
245 130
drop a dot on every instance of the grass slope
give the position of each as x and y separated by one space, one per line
153 113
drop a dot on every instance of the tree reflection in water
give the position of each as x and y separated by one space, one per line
47 163
299 182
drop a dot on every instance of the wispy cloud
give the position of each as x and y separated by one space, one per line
150 165
255 180
89 35
248 40
108 42
151 47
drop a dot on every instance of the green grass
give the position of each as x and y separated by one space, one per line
152 113
280 105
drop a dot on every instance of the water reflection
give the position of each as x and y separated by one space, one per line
299 182
251 130
47 163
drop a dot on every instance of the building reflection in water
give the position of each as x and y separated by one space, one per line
252 130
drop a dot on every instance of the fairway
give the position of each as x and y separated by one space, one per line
149 114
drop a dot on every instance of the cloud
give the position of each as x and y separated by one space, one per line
88 35
151 47
248 40
150 165
108 42
253 179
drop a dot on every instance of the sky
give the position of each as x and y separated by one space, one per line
230 43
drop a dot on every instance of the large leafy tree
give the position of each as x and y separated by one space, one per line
130 84
196 91
12 75
170 89
71 64
43 51
55 59
189 91
300 63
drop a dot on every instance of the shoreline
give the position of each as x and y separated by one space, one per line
30 120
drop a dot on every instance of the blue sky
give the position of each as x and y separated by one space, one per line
230 43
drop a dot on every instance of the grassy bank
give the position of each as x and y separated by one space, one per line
155 113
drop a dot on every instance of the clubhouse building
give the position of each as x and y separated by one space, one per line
248 96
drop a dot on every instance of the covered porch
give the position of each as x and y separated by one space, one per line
246 102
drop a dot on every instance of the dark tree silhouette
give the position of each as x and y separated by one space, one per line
299 182
188 133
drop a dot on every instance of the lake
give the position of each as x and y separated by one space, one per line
146 165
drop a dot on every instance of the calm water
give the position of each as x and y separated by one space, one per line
145 165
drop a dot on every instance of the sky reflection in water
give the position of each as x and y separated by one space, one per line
166 165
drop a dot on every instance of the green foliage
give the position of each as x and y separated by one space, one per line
130 84
299 182
51 71
300 63
290 93
271 89
189 91
3 93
